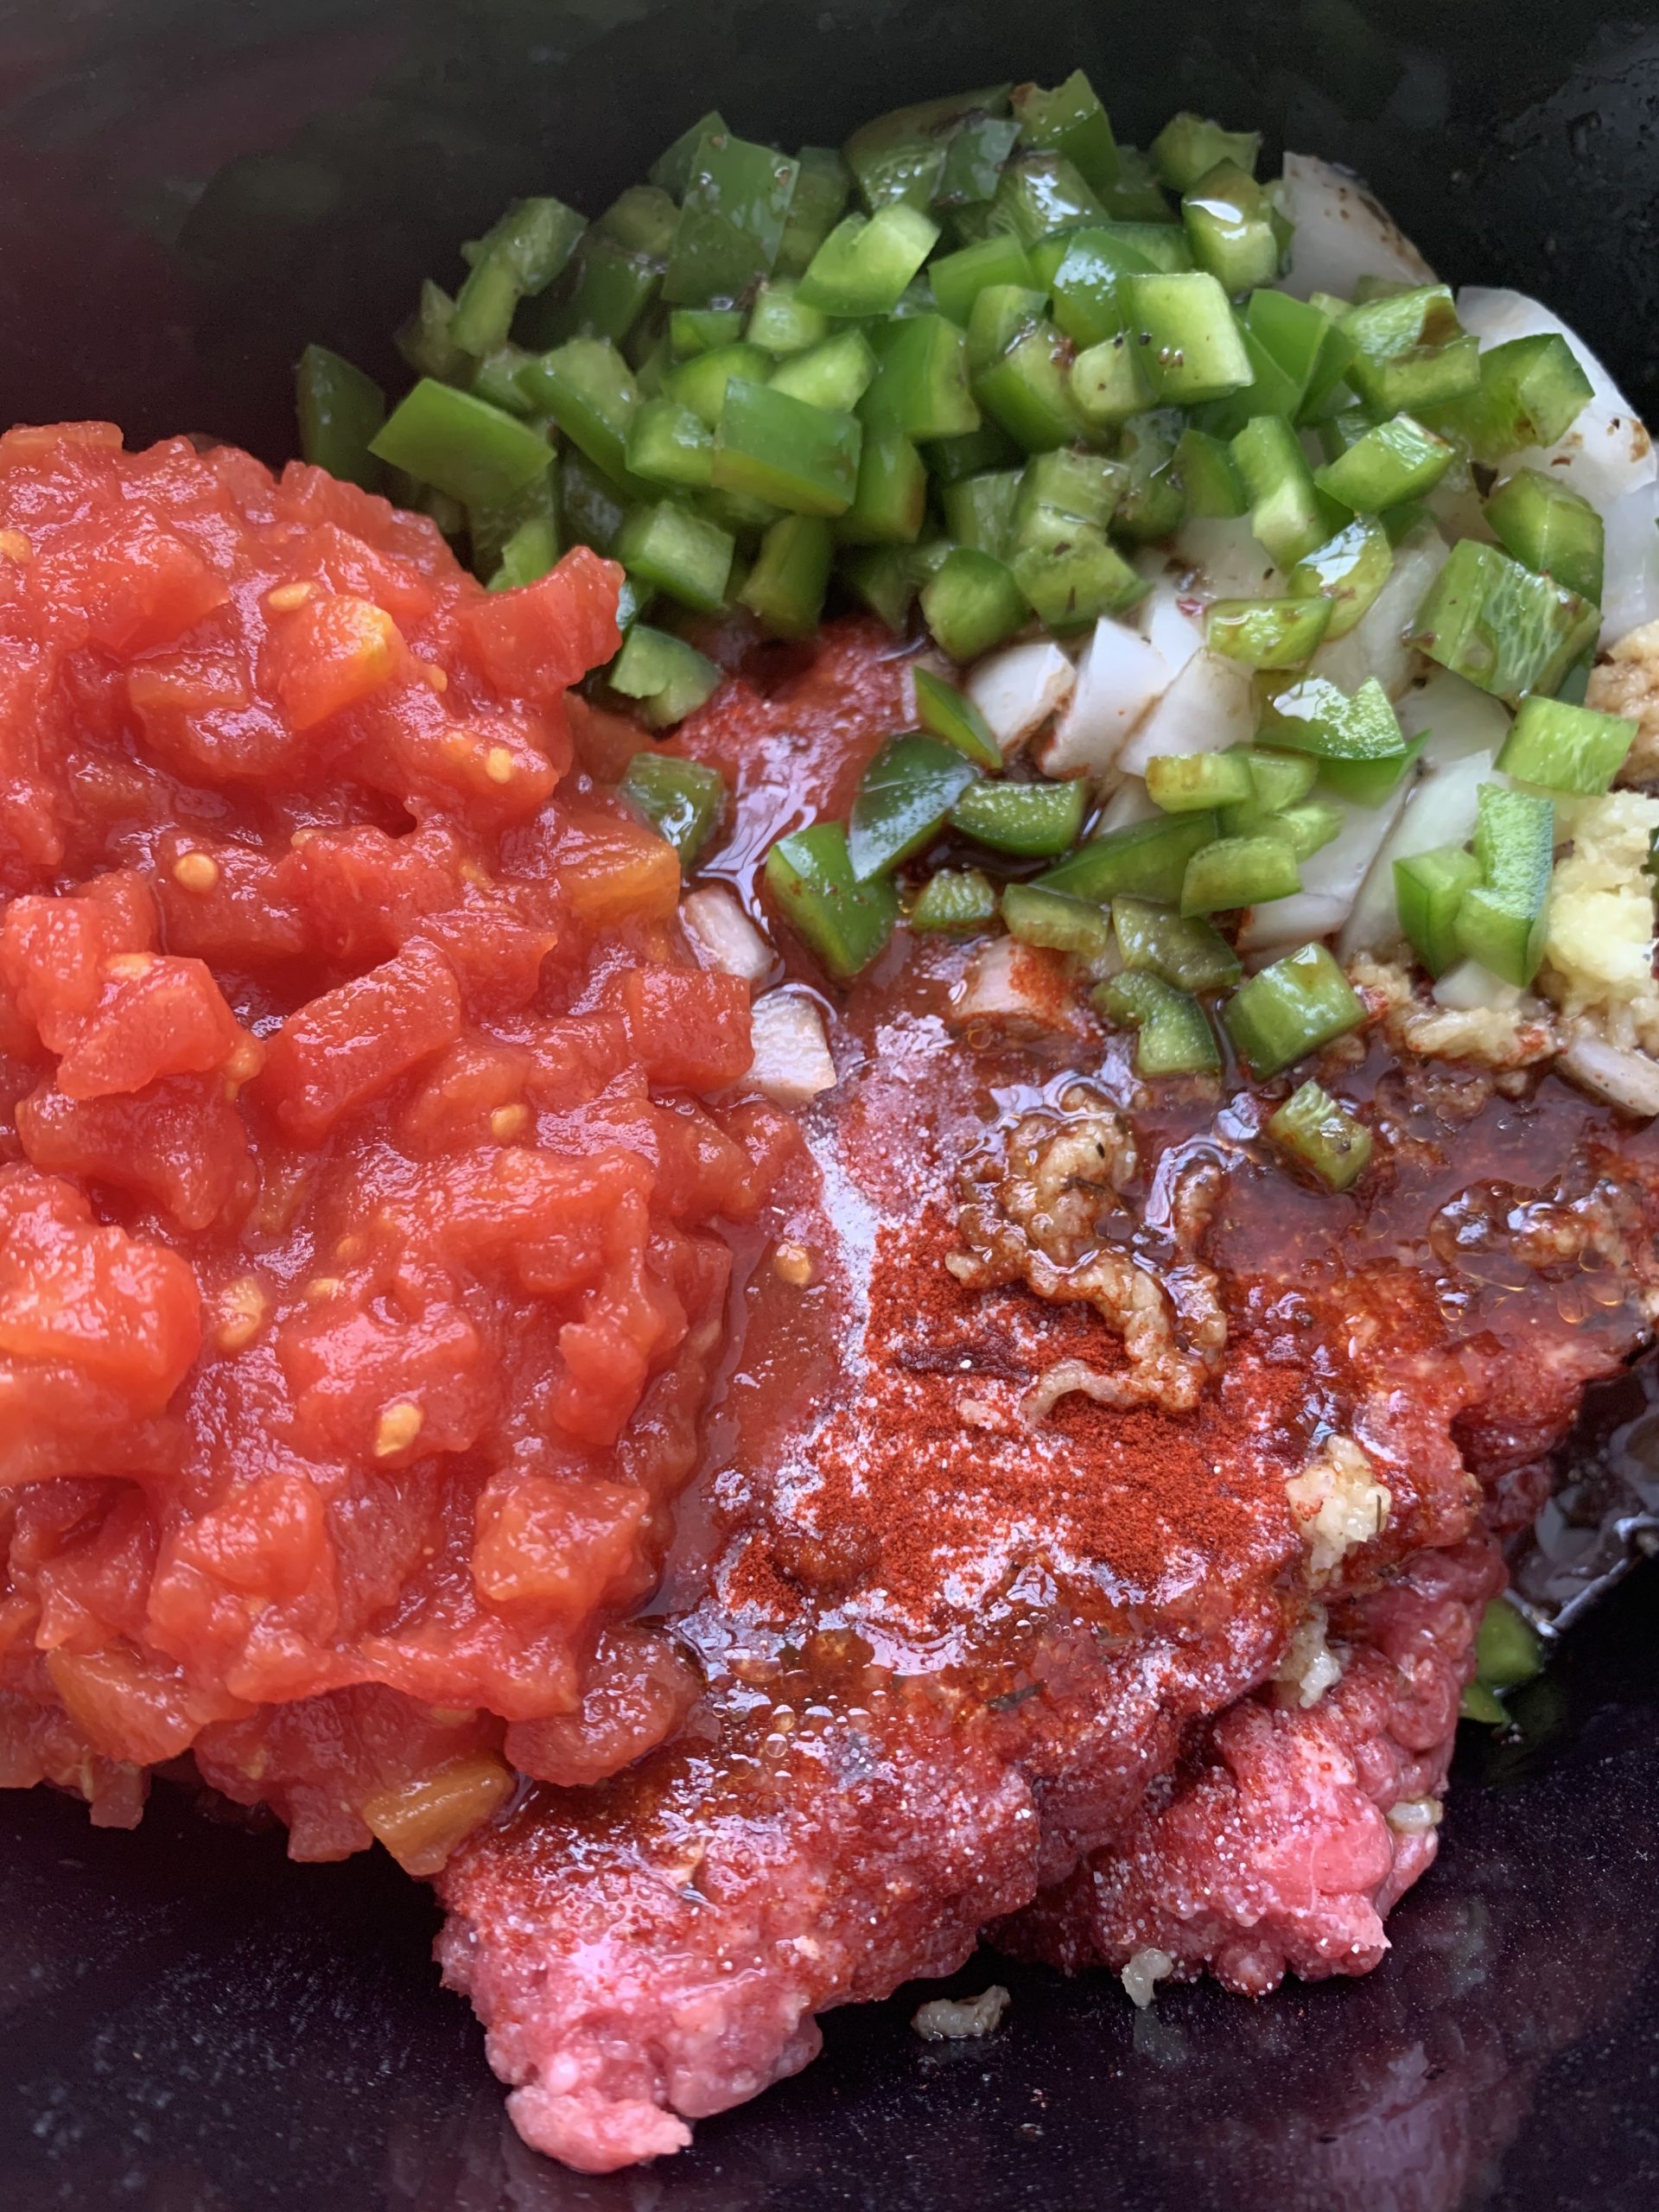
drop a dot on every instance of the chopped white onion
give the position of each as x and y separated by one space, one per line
792 1062
1015 986
1205 709
1626 1079
723 937
1130 802
1471 989
1606 453
1454 717
1630 596
1341 233
1118 678
1018 689
1377 643
1441 810
1227 559
1331 881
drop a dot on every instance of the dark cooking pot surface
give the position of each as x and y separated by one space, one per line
191 188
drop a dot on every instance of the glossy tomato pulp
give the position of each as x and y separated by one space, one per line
360 1265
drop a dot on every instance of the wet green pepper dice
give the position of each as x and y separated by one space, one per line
1565 749
979 510
821 191
1349 569
1509 1650
1549 527
1291 1009
958 278
1367 783
904 799
972 603
1428 889
667 677
701 382
1502 919
1236 872
1315 1129
590 392
1268 633
786 586
1287 516
1529 393
954 902
1182 783
1148 858
921 384
527 554
734 208
844 923
1173 1036
890 497
1194 347
1055 921
1070 120
667 444
1189 146
1501 628
682 800
1315 716
1186 950
952 715
1031 821
341 412
864 265
801 457
1392 461
1231 228
678 552
460 444
902 157
1410 350
780 322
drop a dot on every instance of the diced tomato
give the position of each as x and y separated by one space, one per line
332 651
535 642
689 1028
353 1042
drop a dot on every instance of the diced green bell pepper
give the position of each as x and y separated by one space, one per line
1509 1650
973 603
1367 783
692 331
979 510
844 922
1349 569
1152 502
1565 749
1428 889
340 411
1237 872
427 340
1527 392
682 800
952 715
700 381
1410 350
956 900
1056 920
1320 1132
1501 628
678 552
460 444
589 390
801 457
785 588
672 170
1070 120
1549 527
1173 1036
667 444
1040 192
669 679
1112 382
890 498
973 162
1314 715
1028 388
1147 859
1069 570
958 278
1185 783
527 554
1186 950
902 157
836 374
1394 461
591 509
904 799
1291 1009
821 191
1231 228
1211 484
781 323
864 265
1282 780
1502 919
1189 146
1287 516
1031 821
731 218
1268 633
1193 343
882 578
921 384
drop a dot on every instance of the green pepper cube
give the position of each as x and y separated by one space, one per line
781 323
1028 388
952 715
836 374
1147 859
1349 571
1210 480
678 552
785 588
1237 872
669 679
613 288
1268 633
1287 516
682 800
1479 1704
864 265
1111 383
1231 228
1031 821
1428 889
821 191
1501 628
1291 1009
1153 502
1173 1036
527 554
1186 950
844 923
1393 461
341 412
735 206
692 331
1315 1129
1189 146
890 498
979 510
1551 528
1087 272
672 170
427 340
461 445
959 278
700 381
1367 783
590 392
973 603
1282 780
1315 716
921 384
1194 347
882 578
1040 192
1056 920
1183 783
1565 749
1509 1650
1069 570
1529 393
801 457
901 155
973 162
1410 350
1502 920
956 900
521 255
904 799
1070 120
667 444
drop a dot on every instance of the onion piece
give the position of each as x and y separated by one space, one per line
1341 232
1118 678
1018 689
1441 810
1454 717
1622 1078
792 1061
1607 452
1165 618
1022 988
1630 596
1330 879
1227 559
723 937
1376 644
1471 989
1130 802
1206 709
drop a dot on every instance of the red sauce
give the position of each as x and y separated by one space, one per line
359 1271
